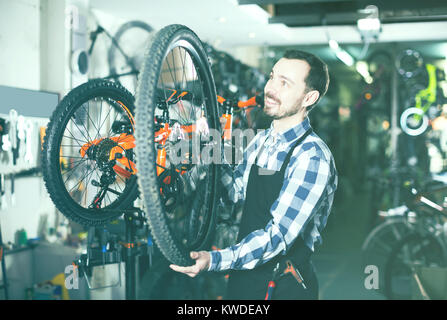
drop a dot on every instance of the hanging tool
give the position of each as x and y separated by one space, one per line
4 128
290 268
13 195
29 141
13 119
295 273
271 286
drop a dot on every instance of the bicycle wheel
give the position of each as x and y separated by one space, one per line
415 250
176 91
126 54
88 153
378 245
409 63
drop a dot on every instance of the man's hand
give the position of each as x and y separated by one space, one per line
202 263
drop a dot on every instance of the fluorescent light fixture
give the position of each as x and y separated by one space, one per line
334 45
368 24
341 54
345 57
251 35
362 68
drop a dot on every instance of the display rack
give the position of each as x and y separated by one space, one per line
126 252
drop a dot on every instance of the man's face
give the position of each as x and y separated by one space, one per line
285 90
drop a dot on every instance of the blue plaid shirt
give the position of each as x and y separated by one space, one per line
304 202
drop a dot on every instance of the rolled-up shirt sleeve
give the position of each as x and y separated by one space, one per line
303 191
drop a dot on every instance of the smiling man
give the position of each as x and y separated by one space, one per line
287 180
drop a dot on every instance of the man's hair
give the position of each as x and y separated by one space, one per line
318 77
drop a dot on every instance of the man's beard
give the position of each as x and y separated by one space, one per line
288 113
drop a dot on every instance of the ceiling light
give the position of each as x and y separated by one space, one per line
252 35
345 57
334 45
222 20
369 26
362 68
341 54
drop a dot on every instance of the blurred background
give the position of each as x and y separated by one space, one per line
384 119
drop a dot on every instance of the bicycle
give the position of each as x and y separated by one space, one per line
90 157
397 224
422 82
125 55
414 120
177 106
123 66
235 79
425 245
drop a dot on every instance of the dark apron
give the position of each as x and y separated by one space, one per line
262 191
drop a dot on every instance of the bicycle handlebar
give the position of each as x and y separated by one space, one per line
252 102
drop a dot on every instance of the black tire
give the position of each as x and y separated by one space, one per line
134 54
189 224
60 166
409 64
379 243
413 250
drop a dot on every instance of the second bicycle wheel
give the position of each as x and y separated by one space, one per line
176 105
379 243
411 253
126 53
88 153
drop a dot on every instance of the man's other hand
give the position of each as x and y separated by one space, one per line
202 263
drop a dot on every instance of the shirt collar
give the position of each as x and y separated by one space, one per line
291 134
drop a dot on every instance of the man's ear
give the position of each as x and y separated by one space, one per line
310 98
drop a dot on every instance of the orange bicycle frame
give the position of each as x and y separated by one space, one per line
127 141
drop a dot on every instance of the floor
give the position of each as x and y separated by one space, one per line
338 261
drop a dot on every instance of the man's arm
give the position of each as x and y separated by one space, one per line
299 199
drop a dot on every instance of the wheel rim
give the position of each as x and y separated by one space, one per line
98 126
182 93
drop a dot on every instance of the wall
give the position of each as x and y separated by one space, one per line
19 43
32 56
54 68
